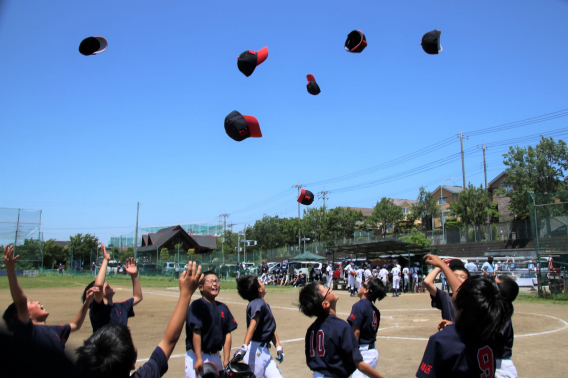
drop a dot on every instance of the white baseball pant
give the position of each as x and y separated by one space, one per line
370 356
261 362
190 358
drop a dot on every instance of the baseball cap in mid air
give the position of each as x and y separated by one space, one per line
356 41
93 46
431 42
313 87
306 197
240 127
249 59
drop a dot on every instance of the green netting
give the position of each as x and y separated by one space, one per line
549 226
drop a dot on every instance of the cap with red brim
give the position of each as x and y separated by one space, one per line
313 87
306 197
249 60
240 127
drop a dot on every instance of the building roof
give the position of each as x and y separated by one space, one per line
449 188
158 239
208 241
400 202
499 177
60 243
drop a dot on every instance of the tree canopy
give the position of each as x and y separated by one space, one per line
385 214
82 246
475 205
424 209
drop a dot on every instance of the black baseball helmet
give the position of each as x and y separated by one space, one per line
235 369
209 370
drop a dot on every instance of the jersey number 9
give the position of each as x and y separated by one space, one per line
485 360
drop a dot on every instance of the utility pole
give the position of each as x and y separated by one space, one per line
223 238
231 225
299 237
136 232
484 165
462 137
323 194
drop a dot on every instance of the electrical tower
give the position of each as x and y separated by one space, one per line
299 237
323 196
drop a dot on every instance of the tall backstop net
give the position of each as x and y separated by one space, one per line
549 223
22 228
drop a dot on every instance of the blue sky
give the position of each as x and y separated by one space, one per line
85 138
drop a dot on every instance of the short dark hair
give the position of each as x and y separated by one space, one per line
247 287
377 289
484 310
109 352
508 287
311 301
84 296
10 317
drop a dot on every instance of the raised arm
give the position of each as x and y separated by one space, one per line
18 296
77 323
453 281
131 269
188 282
101 276
429 281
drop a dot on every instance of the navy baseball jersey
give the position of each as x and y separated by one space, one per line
102 314
443 301
156 366
51 337
365 316
331 347
451 354
506 338
266 325
213 319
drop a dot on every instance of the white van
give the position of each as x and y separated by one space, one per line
305 266
168 267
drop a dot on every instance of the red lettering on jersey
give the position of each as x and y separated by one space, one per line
485 361
320 346
375 321
222 314
425 368
352 316
312 354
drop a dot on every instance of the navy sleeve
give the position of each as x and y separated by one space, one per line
230 324
356 316
508 337
128 307
426 368
156 366
436 300
63 331
350 344
254 307
193 315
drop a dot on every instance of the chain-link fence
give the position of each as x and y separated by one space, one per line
549 224
22 227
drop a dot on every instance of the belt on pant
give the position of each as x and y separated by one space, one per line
371 346
263 344
206 351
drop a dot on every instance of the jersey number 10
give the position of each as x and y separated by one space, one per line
320 347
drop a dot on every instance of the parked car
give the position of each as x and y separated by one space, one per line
112 267
148 268
168 267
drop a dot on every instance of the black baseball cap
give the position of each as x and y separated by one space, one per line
456 264
431 42
313 87
356 41
93 45
306 197
240 127
249 59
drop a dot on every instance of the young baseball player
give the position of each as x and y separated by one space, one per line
329 273
358 278
27 319
365 319
331 348
505 367
110 352
406 276
209 324
456 273
468 348
384 276
103 310
261 330
395 280
350 270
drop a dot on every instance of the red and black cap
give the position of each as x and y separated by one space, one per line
240 127
431 42
356 41
313 87
249 59
306 197
93 46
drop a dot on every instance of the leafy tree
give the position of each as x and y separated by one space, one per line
425 209
190 254
82 246
539 169
53 253
476 204
164 254
30 254
385 214
343 222
417 237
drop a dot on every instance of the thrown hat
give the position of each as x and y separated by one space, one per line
249 59
306 197
356 41
313 87
240 127
431 42
93 46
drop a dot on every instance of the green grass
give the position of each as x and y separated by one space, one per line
532 297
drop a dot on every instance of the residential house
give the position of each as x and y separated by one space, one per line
171 236
502 200
444 196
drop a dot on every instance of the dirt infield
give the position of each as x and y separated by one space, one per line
541 331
